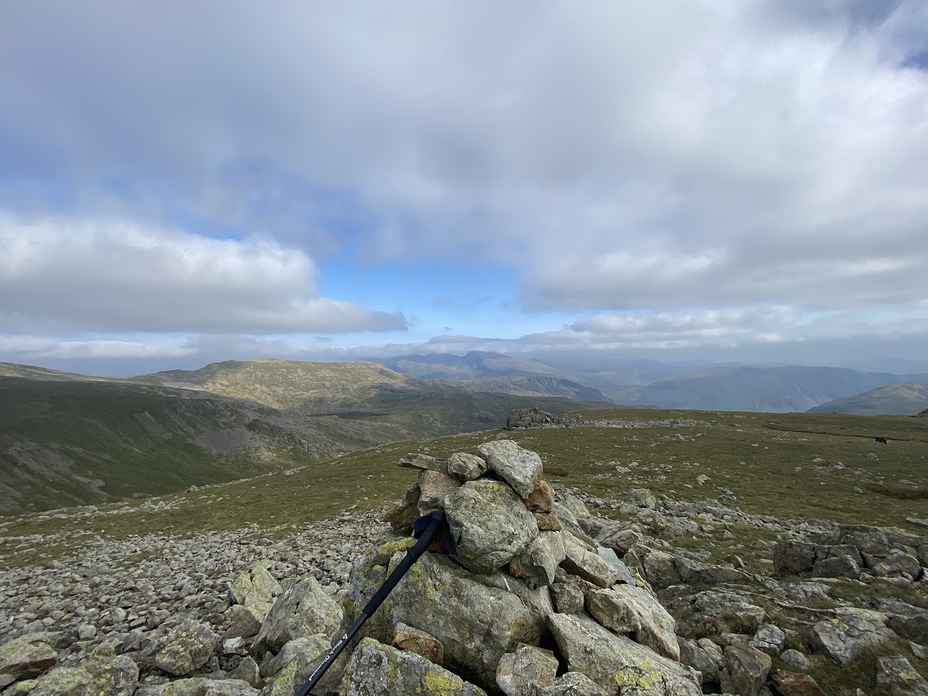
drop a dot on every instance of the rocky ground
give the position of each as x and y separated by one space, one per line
756 605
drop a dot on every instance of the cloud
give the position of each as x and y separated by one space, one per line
70 275
668 157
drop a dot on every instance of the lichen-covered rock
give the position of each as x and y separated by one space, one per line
376 669
256 589
298 659
243 621
520 468
186 648
660 569
26 656
63 681
521 672
769 638
746 670
712 612
572 684
466 467
630 609
539 561
851 632
617 661
489 524
584 562
304 609
475 622
199 686
433 487
897 676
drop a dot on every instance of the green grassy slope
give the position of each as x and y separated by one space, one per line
790 466
898 399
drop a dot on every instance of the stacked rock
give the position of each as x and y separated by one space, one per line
529 596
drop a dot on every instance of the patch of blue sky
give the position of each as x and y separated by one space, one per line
435 297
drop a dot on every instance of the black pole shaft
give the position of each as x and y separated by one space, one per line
428 536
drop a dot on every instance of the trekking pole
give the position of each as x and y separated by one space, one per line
426 529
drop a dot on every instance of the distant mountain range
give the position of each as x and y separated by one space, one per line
907 399
771 388
765 388
69 439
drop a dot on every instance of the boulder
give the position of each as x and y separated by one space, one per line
186 648
632 610
402 516
851 632
424 462
539 561
619 539
466 467
614 661
713 612
541 499
568 596
243 621
572 684
528 418
696 657
433 487
199 686
376 669
836 567
476 623
660 569
489 524
304 609
419 642
769 639
745 671
520 673
897 676
296 662
793 557
25 657
520 468
623 574
255 589
584 562
793 684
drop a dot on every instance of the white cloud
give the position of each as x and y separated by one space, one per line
106 276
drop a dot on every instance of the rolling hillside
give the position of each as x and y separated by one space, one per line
68 439
908 399
530 386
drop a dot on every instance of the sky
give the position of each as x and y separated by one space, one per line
721 180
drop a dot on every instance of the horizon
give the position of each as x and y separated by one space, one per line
682 183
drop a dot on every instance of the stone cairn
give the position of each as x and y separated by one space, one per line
529 606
